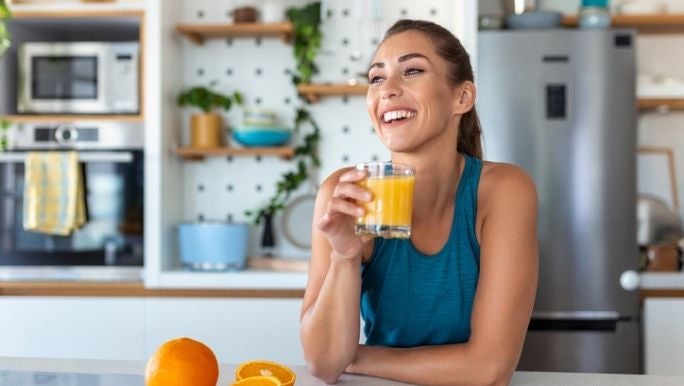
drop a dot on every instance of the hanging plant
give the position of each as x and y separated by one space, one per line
5 43
4 33
292 180
306 44
307 40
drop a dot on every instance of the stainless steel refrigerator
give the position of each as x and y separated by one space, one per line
561 105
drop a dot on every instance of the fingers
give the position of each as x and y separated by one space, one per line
349 191
353 176
347 186
345 199
336 210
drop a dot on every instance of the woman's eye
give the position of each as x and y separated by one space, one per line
412 71
374 79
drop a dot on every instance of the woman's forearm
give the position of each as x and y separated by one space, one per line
455 364
330 327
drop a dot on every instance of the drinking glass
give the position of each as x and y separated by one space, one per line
388 214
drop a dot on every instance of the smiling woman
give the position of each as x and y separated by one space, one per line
451 304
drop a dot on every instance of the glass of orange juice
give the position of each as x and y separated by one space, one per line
388 214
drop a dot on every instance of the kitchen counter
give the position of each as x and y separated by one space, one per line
133 289
662 280
653 284
306 379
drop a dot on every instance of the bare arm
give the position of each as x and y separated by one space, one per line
329 329
503 301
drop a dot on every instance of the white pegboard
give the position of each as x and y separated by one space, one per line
221 189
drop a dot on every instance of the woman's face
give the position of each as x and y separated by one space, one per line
410 98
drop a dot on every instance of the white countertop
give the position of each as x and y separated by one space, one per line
661 280
306 379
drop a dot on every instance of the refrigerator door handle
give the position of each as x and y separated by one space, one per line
575 321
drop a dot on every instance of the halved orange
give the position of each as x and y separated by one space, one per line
266 368
260 380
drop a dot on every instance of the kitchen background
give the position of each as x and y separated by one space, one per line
258 310
659 63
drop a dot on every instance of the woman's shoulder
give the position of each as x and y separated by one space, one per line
503 182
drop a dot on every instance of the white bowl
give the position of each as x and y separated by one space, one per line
642 8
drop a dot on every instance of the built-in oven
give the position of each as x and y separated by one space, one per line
111 160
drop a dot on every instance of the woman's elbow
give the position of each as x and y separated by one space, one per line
496 378
496 373
324 373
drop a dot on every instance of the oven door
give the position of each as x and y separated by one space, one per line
63 78
113 234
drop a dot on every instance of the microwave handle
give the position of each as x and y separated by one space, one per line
100 156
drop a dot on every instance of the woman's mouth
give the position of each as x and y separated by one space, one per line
396 116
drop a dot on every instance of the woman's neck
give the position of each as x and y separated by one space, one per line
437 178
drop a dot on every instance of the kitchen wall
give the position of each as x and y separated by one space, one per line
220 188
660 55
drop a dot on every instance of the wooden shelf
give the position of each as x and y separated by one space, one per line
190 153
314 92
669 104
65 11
656 23
278 264
72 118
198 33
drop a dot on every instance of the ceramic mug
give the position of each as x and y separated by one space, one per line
273 12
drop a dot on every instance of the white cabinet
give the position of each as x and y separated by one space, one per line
664 336
74 327
237 329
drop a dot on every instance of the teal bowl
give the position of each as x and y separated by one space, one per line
262 138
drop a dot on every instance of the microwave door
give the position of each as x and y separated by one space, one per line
63 78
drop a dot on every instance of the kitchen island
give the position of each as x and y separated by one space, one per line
305 379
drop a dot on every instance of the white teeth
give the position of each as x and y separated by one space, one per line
396 114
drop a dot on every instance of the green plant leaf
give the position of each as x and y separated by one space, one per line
306 45
4 10
206 100
4 127
5 37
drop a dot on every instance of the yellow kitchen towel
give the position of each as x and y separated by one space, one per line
54 196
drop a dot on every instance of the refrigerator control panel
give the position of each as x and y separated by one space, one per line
556 101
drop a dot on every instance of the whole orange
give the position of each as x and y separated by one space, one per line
182 362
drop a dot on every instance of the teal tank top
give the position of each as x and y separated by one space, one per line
411 299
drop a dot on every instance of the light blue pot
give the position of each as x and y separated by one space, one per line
213 246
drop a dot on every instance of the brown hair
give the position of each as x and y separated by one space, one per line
449 48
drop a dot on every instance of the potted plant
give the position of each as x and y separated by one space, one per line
206 128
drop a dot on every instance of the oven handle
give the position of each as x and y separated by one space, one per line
100 156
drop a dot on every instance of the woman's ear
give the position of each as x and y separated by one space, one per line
465 97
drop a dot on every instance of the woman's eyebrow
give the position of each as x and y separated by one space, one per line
402 58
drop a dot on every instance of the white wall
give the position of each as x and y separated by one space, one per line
218 188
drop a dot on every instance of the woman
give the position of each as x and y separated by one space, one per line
452 304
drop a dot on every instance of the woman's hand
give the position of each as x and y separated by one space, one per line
362 353
337 222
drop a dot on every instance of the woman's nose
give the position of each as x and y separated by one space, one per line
390 88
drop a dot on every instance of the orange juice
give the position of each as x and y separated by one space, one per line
389 212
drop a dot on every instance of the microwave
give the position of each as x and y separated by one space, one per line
78 78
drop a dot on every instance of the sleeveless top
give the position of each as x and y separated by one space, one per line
411 299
